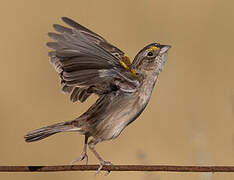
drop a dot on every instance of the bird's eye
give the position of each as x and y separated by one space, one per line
150 54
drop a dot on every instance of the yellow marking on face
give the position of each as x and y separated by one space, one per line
153 48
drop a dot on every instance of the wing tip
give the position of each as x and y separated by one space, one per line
55 26
68 21
64 18
48 44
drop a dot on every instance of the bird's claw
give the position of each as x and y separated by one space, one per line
82 157
104 163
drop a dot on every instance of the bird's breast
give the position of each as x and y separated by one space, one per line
124 109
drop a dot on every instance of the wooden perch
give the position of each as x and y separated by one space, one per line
117 168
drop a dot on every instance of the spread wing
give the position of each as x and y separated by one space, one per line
87 63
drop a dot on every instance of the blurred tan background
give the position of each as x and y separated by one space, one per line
190 117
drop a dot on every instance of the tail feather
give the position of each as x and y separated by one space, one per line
44 132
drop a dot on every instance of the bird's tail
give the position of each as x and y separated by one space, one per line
44 132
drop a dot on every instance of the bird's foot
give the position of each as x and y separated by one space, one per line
82 157
103 163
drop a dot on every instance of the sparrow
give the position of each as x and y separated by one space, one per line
87 64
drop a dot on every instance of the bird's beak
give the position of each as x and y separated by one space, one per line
164 49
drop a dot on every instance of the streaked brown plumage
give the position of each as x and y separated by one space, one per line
88 64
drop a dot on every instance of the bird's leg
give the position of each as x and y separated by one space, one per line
83 155
92 144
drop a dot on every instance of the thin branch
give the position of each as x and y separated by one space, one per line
117 168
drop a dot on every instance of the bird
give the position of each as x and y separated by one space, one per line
88 64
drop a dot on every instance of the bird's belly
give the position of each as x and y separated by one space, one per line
119 117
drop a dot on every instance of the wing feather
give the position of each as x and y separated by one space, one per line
86 62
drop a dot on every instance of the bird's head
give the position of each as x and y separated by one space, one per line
151 58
